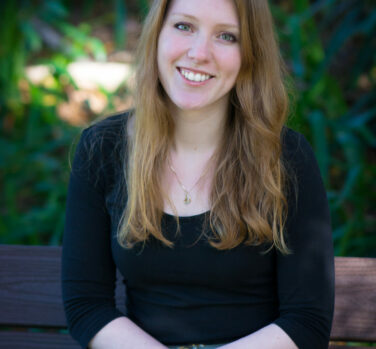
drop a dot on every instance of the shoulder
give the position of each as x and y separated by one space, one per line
105 137
295 145
299 159
109 129
303 172
297 154
101 147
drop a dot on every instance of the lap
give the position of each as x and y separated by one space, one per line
196 346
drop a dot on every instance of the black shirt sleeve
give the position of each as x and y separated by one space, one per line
306 276
88 270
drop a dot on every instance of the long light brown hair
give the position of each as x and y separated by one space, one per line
248 203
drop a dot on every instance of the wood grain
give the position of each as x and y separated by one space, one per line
30 292
355 303
30 288
347 347
24 340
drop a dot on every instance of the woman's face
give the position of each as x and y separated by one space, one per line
199 53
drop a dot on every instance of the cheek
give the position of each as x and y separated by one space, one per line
160 49
230 62
162 57
171 47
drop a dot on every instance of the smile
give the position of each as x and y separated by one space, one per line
194 76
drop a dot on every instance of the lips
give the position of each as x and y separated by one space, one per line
193 75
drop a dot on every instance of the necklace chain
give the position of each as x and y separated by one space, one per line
187 193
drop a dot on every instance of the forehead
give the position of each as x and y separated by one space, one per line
220 11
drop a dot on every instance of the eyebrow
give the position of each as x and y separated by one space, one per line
227 25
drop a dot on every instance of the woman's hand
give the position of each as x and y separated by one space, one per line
269 337
123 333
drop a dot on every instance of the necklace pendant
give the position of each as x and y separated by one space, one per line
187 199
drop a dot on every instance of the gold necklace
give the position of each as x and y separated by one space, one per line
187 196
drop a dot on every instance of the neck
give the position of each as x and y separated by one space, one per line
198 131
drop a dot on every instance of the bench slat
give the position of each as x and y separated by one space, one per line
355 305
25 340
17 340
30 289
346 347
30 292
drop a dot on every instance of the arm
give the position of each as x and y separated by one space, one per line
88 270
122 333
305 278
269 337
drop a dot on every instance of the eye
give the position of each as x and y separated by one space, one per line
182 26
228 37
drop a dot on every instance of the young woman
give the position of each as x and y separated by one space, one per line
213 211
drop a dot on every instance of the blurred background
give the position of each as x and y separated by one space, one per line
65 63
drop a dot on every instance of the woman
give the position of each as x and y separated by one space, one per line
212 210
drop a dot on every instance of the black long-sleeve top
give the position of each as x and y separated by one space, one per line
194 293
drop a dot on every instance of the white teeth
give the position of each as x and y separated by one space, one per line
194 77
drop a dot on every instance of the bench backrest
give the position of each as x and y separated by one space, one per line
30 297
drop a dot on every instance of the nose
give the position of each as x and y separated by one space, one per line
200 50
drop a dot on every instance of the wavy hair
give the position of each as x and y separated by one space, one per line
248 199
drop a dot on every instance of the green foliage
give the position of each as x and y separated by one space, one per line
329 47
120 15
34 142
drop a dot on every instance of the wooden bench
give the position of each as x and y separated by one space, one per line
30 300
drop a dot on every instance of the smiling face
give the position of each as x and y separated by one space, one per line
198 53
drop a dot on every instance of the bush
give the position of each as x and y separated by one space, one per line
330 50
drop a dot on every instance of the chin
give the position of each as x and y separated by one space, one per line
190 105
